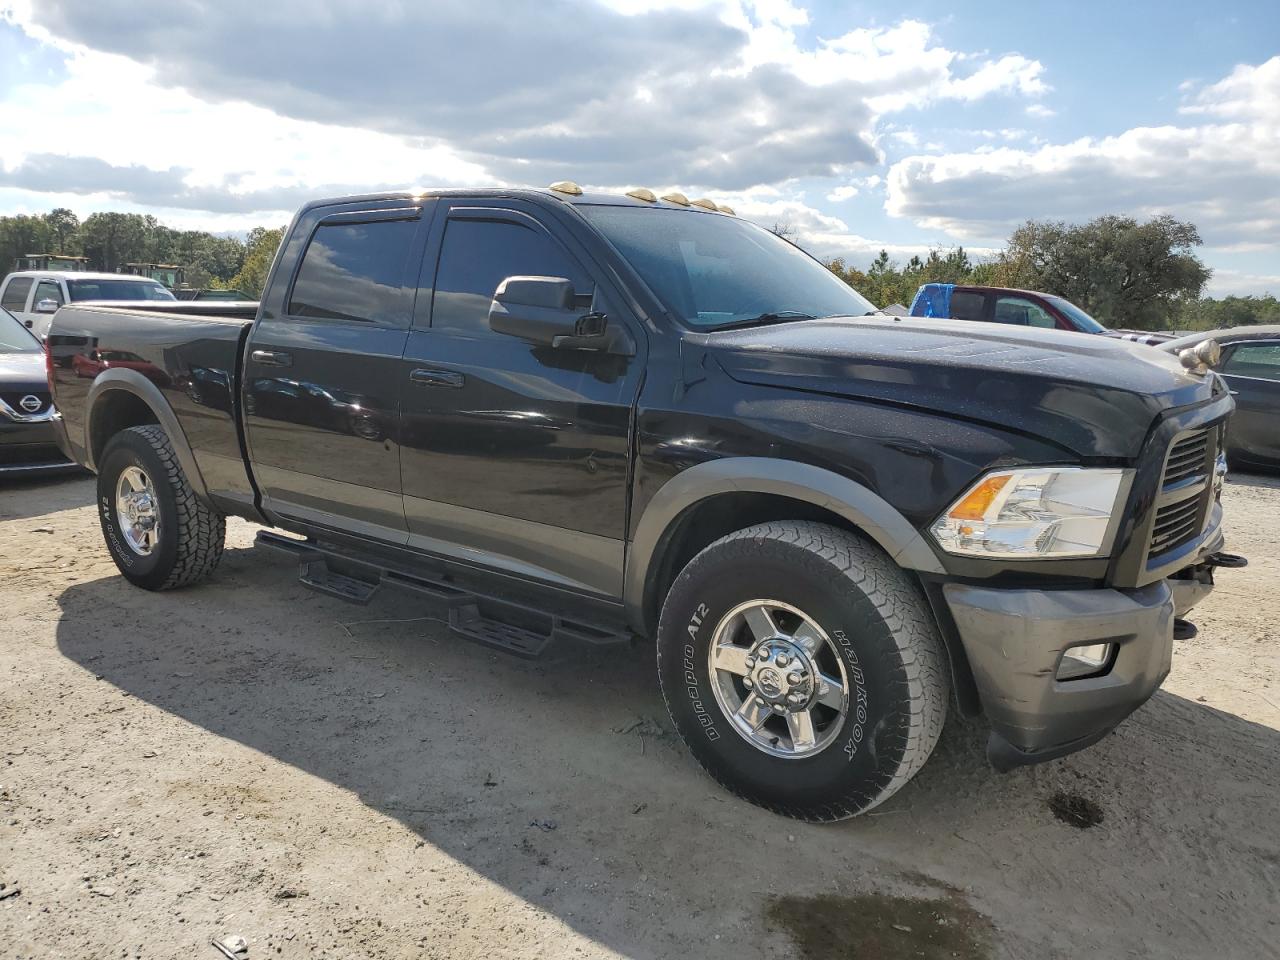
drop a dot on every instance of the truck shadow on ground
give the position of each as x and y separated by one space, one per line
56 492
561 780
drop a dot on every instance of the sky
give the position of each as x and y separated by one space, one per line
862 125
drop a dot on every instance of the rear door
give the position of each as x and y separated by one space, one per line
515 455
321 384
1252 371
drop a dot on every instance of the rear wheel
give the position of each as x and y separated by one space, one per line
803 668
158 532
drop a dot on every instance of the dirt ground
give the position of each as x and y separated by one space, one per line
246 757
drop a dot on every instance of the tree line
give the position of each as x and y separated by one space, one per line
110 240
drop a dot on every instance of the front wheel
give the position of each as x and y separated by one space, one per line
158 531
803 668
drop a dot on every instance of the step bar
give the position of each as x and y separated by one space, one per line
515 628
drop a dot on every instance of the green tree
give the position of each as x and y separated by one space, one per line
20 235
260 250
1125 273
111 240
64 227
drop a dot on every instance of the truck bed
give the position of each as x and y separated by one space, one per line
190 353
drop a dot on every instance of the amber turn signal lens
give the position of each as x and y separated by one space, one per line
978 500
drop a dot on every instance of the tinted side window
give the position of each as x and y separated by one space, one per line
967 306
1261 360
355 271
15 295
1023 313
48 290
477 255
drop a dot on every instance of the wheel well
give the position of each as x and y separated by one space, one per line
708 520
114 411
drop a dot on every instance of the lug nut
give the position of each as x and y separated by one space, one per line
783 659
794 678
779 708
751 662
746 682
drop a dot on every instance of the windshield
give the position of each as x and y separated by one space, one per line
118 290
1081 319
14 337
713 271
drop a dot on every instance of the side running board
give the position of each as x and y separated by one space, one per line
513 628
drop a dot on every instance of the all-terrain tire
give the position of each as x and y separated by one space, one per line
191 534
892 655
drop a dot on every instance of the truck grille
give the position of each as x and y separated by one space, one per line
1188 458
13 399
1186 489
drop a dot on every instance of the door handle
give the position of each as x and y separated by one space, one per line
271 358
437 378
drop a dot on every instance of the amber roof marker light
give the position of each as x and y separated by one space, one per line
567 187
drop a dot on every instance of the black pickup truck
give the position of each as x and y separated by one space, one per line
582 418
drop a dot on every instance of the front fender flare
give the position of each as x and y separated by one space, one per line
130 381
861 506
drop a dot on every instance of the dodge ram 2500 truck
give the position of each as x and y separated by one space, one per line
578 418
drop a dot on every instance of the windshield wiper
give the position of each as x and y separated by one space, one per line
764 319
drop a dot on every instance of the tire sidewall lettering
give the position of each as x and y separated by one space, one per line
690 674
859 702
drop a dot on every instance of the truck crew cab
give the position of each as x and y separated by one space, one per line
579 417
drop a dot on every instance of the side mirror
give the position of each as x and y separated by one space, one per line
541 310
48 305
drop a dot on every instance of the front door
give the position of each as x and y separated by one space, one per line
321 389
1252 371
515 455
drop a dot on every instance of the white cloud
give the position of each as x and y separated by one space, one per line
1224 175
1040 111
1226 282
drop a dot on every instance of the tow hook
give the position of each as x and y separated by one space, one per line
1231 561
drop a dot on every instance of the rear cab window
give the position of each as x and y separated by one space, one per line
967 305
15 294
355 272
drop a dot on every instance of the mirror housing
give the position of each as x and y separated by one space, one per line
541 310
47 305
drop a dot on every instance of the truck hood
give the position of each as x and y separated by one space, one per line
1094 396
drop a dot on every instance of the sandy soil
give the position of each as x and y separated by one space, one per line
247 757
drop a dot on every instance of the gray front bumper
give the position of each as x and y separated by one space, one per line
1015 640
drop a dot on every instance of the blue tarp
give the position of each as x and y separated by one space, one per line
933 300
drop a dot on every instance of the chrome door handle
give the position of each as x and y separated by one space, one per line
437 378
271 358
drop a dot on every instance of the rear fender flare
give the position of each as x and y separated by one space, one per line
130 381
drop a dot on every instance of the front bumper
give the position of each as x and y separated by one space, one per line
31 449
1015 640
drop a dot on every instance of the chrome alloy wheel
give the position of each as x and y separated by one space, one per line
137 512
779 678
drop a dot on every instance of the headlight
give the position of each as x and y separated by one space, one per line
1039 513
